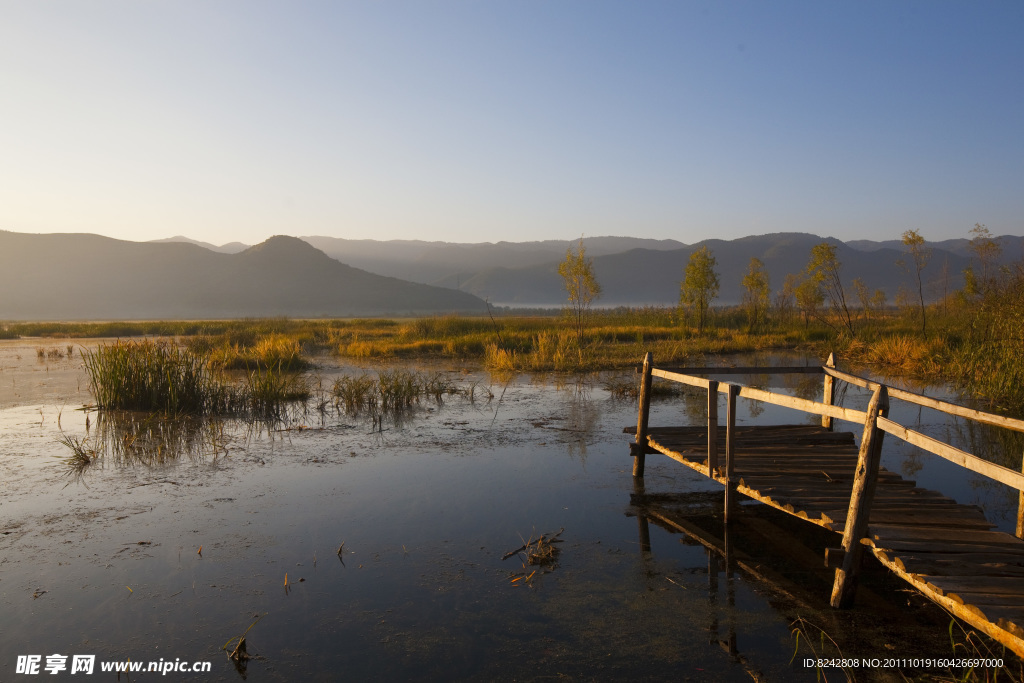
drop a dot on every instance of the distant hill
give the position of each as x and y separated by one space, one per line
229 248
644 276
82 277
450 262
87 276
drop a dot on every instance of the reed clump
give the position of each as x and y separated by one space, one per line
160 377
393 391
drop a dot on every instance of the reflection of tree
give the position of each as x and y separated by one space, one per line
695 404
994 444
760 381
911 462
582 414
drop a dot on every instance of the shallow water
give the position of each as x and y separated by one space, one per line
109 564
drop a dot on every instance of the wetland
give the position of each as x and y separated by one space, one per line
382 544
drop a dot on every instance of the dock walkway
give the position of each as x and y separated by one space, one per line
944 549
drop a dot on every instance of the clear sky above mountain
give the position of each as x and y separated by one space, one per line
480 121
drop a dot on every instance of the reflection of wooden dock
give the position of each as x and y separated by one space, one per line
944 549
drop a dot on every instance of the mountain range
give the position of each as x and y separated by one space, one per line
89 277
637 271
80 276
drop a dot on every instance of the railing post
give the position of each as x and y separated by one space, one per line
1020 511
712 427
861 497
830 392
640 447
730 450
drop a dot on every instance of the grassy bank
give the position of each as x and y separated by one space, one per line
973 340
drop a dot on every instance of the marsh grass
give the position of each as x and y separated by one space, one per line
268 390
157 377
395 391
82 455
160 377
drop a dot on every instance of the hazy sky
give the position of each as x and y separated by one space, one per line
483 120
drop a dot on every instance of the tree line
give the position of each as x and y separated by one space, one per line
817 293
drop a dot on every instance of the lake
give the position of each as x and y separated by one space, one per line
181 535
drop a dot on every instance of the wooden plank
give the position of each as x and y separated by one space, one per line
929 569
861 497
991 599
712 430
678 377
643 416
943 406
997 585
1004 475
730 451
802 404
896 546
748 370
829 392
882 533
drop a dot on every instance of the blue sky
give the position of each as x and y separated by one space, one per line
479 121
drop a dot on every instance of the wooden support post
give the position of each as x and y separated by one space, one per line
830 392
712 428
730 450
639 453
865 479
1020 511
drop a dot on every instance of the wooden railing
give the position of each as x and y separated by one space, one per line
874 419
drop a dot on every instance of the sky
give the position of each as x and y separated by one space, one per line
480 121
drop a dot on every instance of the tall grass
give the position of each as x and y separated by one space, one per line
156 377
163 378
393 391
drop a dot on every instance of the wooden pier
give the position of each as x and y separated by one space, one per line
944 549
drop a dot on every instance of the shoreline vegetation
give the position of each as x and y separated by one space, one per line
970 339
972 342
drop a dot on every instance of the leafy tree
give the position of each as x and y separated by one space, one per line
699 286
758 293
809 298
785 298
919 256
987 249
577 273
824 270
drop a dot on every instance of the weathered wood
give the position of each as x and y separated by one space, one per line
712 443
927 402
683 379
1020 510
860 501
748 370
803 404
829 393
730 451
880 534
925 538
643 416
1004 475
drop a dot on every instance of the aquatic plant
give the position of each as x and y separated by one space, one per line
157 377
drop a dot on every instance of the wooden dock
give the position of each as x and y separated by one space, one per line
944 549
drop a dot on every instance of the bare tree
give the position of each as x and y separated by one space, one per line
824 270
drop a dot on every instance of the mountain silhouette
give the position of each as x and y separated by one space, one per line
89 277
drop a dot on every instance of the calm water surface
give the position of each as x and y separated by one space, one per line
109 564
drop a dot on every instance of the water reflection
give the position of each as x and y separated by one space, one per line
128 439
